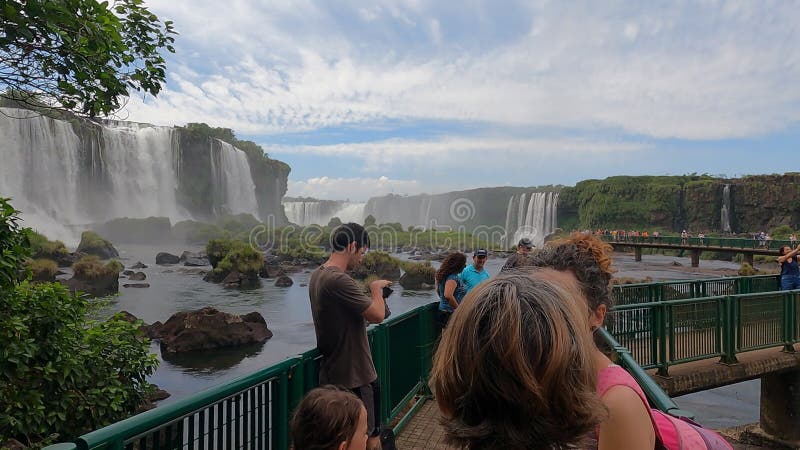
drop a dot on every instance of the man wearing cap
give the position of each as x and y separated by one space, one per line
474 274
523 250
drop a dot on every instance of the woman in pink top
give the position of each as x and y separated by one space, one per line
585 261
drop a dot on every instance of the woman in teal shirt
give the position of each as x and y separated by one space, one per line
449 285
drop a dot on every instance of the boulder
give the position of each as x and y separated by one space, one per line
209 328
128 273
139 265
416 281
92 244
96 287
154 331
191 259
136 285
283 281
167 258
271 271
138 276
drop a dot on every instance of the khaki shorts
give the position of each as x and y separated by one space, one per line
370 394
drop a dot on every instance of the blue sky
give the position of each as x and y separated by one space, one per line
411 96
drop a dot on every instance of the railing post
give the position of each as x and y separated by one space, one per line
788 321
663 360
729 332
280 410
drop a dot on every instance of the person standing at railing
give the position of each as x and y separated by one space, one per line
790 272
585 262
339 308
793 240
475 273
524 248
449 285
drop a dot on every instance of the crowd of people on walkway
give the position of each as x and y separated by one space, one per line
517 366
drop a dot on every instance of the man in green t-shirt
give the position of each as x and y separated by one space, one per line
340 309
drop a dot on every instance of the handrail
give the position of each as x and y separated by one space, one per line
707 241
261 402
660 334
655 395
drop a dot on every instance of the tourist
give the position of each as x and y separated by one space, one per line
329 418
449 286
684 237
474 274
513 369
793 240
339 308
790 274
524 248
585 262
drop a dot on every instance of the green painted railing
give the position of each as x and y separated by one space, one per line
655 395
624 294
661 334
732 243
253 411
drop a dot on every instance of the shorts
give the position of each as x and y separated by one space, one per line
370 395
790 282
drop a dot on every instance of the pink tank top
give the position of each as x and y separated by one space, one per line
672 433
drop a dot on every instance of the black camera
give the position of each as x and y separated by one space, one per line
387 291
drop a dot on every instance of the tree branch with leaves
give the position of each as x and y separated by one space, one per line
80 56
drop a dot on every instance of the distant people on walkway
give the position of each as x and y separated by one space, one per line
474 274
514 368
524 248
584 262
684 237
449 285
702 238
339 308
329 418
793 240
790 273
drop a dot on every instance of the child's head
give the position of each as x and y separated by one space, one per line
514 367
329 418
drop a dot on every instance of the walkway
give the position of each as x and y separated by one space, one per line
423 432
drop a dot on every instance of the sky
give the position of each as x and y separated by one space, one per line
412 96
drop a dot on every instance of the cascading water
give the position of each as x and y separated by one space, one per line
66 177
234 186
725 219
534 217
320 212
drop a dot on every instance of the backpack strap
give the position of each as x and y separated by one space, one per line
672 433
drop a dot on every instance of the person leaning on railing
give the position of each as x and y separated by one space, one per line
449 285
340 308
790 273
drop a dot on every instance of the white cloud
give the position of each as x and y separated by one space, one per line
693 70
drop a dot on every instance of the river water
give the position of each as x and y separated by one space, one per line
288 315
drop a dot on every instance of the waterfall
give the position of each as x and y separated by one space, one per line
235 190
534 217
725 219
66 177
320 212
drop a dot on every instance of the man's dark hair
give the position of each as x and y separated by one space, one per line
348 233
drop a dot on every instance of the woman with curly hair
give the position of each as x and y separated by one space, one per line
514 368
585 261
449 285
329 418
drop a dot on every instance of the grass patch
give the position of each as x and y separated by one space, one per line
91 268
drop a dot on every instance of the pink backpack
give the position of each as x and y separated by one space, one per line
672 433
